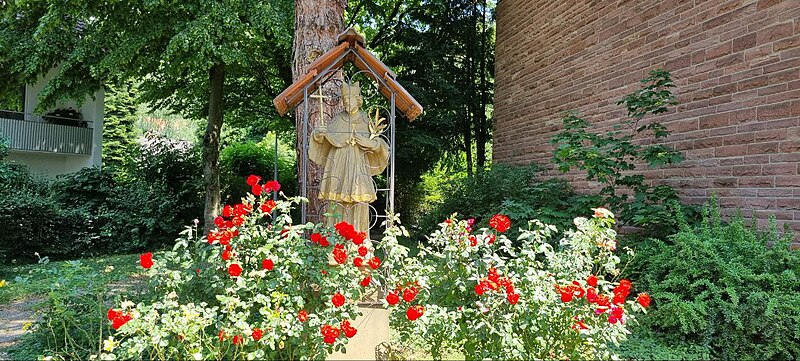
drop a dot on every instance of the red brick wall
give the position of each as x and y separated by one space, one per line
736 64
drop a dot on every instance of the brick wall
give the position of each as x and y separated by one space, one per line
736 64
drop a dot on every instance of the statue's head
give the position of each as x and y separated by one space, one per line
351 97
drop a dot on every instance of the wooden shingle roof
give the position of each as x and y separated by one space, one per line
350 49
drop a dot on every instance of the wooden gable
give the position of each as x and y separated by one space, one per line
350 49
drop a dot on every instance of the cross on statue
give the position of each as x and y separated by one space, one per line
321 98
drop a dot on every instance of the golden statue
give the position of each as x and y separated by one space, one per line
351 150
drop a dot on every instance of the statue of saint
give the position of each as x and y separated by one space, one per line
351 150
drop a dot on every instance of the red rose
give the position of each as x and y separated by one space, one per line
392 298
591 280
410 293
234 270
253 180
256 190
221 335
267 264
365 282
329 333
362 251
337 299
272 186
112 314
500 222
414 312
302 316
228 224
473 241
566 293
374 262
358 238
237 221
491 238
513 298
480 289
324 242
238 340
226 255
268 206
117 318
644 300
227 211
348 330
345 229
219 222
358 262
120 321
146 260
257 334
617 312
316 237
339 254
591 295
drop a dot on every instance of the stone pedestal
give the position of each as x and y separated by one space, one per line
373 329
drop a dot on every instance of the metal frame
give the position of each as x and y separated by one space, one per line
320 81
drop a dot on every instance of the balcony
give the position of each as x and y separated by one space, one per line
50 134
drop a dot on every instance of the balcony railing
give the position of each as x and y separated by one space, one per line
33 132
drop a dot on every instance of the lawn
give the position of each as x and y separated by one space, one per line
37 280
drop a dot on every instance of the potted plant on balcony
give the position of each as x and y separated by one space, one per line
65 116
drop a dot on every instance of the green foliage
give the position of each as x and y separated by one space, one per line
726 286
611 158
642 345
239 160
510 190
76 295
94 211
443 54
119 134
170 48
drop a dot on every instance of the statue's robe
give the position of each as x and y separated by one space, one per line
350 159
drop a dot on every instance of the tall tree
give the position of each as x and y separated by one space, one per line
317 25
118 123
194 56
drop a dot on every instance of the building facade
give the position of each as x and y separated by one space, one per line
736 64
63 139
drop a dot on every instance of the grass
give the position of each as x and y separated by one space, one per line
37 280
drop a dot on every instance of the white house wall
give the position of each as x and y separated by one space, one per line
52 164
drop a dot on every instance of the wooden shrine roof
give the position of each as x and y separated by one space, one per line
351 45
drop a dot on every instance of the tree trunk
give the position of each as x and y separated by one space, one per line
316 27
211 145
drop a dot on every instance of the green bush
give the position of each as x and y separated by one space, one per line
510 190
611 158
95 211
727 286
240 160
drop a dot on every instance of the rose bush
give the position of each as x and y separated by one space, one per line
474 292
256 287
260 287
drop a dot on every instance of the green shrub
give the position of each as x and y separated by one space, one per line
93 211
644 346
727 286
611 158
240 160
511 190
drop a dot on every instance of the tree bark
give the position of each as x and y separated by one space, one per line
211 145
316 27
